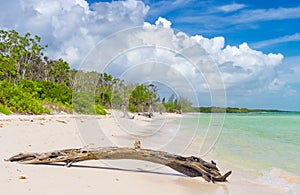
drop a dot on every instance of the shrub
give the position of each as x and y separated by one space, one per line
83 103
100 110
4 110
54 92
57 107
21 99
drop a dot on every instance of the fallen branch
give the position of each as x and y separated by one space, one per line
146 114
190 166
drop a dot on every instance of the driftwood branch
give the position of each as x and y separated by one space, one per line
190 166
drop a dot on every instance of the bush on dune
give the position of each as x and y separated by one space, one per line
29 97
20 100
4 110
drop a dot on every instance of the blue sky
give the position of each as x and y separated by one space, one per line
267 26
254 22
254 43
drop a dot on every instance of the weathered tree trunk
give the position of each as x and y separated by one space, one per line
190 166
125 112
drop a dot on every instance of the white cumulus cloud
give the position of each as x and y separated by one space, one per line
163 22
72 28
242 66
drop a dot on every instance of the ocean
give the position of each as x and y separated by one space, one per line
264 144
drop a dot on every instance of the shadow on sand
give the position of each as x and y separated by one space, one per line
139 170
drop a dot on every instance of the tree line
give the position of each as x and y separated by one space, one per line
32 83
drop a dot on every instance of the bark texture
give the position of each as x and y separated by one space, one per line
191 166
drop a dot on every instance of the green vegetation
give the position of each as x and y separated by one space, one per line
177 106
31 83
4 110
20 99
143 96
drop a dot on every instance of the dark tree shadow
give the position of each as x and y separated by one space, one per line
139 170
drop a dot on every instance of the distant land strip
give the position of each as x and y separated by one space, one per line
215 109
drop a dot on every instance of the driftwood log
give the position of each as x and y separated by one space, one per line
190 166
146 114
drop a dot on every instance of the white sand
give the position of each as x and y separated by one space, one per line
47 133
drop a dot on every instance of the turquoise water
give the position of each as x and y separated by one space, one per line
262 147
257 141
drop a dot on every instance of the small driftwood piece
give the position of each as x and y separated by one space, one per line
146 114
190 166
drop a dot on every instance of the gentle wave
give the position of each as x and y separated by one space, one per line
288 182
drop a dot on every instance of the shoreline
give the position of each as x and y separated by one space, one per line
44 133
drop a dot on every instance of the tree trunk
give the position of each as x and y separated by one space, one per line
125 112
190 166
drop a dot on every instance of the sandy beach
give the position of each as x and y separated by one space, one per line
54 132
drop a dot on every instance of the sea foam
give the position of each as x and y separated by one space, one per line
288 182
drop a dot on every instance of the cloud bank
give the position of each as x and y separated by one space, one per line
72 28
